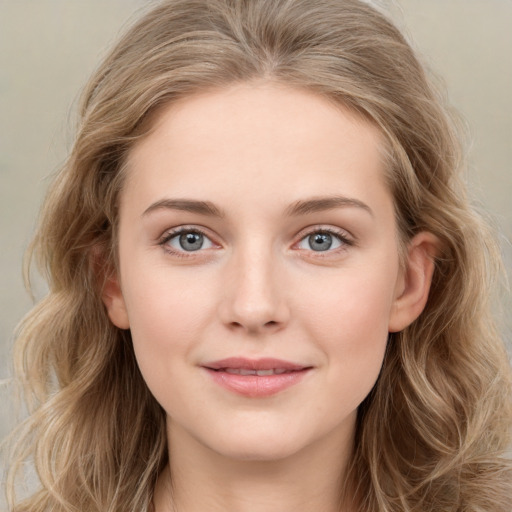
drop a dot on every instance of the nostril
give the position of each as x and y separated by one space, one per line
272 324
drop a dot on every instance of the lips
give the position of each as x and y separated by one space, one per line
261 373
256 377
238 363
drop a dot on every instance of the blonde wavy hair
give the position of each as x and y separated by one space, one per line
433 433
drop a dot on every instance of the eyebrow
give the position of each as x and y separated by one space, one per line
186 205
319 204
301 207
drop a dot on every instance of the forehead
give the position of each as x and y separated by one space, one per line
247 139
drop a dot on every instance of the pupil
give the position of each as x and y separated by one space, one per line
320 241
191 241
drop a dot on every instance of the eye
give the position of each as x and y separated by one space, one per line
186 240
323 240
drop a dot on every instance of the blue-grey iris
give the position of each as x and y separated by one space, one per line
191 241
320 241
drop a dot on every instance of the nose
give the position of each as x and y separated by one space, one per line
254 296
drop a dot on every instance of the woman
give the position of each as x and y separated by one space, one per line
267 288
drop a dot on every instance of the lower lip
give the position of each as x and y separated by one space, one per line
256 386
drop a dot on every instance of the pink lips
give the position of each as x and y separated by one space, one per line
255 377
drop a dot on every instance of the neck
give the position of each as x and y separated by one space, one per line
309 481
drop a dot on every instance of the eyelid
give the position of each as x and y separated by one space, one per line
345 238
171 233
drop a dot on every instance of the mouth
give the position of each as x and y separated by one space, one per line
256 377
254 365
261 373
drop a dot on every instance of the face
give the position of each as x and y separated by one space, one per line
259 268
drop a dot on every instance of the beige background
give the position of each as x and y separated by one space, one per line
49 47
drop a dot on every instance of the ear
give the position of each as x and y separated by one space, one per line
414 283
109 288
113 299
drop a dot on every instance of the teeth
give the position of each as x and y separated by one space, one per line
265 372
261 373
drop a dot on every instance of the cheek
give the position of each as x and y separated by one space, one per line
349 322
355 305
162 300
167 322
168 314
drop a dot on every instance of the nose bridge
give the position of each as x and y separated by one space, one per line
254 298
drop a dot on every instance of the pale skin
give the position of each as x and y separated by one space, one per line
295 257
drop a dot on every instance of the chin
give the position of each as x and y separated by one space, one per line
258 445
258 453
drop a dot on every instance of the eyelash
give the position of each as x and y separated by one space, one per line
342 237
167 237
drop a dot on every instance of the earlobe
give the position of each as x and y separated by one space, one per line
412 292
113 299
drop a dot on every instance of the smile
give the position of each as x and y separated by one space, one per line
256 378
245 371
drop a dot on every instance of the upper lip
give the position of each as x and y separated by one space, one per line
266 363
